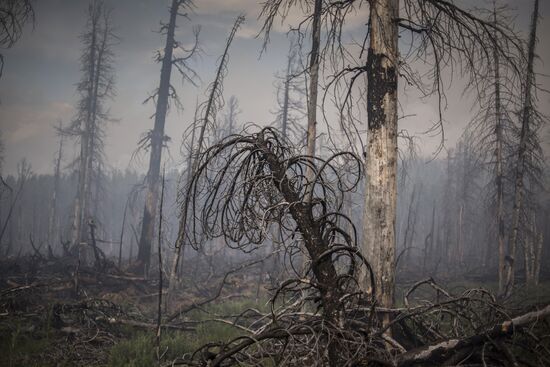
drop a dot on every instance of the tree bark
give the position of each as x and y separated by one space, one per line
53 220
499 173
209 115
284 122
437 354
381 156
313 82
522 152
80 204
157 139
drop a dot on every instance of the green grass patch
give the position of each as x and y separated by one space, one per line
22 343
139 349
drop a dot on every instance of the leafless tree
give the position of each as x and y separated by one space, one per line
174 55
290 91
230 123
527 163
313 72
493 131
412 217
208 113
95 88
53 220
245 185
14 14
23 173
440 35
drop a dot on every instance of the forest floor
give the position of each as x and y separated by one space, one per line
52 315
58 313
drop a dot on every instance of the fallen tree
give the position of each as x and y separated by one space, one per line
247 185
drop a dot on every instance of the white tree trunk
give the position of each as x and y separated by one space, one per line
381 156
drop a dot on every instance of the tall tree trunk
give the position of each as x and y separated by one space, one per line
538 259
79 234
409 229
381 156
53 220
499 173
209 116
122 233
93 128
522 152
429 243
532 253
157 139
459 258
173 277
286 96
313 82
313 70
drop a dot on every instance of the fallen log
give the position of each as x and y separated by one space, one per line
141 324
442 351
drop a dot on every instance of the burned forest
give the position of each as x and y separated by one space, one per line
274 183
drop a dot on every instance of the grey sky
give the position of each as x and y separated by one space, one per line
41 70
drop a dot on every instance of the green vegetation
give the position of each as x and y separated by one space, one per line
22 342
139 348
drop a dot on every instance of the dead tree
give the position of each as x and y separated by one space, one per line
230 119
532 245
313 72
14 14
410 232
492 131
381 155
429 241
527 147
246 184
95 88
264 183
24 172
290 90
53 220
208 120
155 139
499 173
442 35
122 231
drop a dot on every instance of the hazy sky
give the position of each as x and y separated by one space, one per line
42 69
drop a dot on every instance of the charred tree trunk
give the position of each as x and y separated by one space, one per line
313 80
209 116
122 233
286 96
381 155
96 85
532 253
499 172
81 204
315 244
410 228
429 243
93 150
53 220
526 115
157 140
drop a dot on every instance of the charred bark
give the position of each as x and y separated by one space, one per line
157 140
381 156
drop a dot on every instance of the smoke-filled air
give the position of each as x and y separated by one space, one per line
294 183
